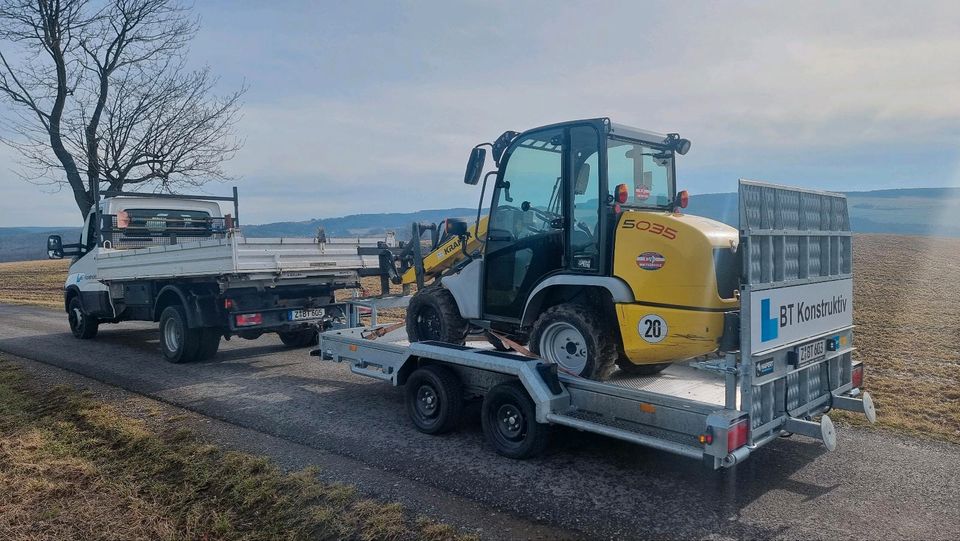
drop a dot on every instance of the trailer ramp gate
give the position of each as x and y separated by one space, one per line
796 311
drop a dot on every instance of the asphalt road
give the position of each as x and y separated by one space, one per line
875 485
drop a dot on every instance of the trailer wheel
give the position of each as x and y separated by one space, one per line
510 424
209 343
434 399
640 369
578 338
433 315
179 343
299 339
82 325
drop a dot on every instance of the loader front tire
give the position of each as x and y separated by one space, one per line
433 315
640 369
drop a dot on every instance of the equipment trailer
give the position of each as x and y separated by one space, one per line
792 364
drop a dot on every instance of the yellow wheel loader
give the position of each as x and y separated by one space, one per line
585 256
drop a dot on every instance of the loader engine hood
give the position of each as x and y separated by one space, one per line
677 260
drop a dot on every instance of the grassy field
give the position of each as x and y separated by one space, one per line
75 468
907 311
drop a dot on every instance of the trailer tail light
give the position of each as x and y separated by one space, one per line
737 435
857 376
247 320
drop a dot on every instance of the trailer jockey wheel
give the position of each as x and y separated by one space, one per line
510 424
434 399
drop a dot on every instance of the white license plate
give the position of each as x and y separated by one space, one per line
309 313
813 351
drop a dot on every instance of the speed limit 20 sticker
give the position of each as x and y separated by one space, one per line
652 328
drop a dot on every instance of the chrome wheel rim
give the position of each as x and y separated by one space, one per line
563 344
172 335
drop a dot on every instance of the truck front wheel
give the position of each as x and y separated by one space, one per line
82 325
179 343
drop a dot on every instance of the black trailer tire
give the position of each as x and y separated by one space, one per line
299 339
209 343
434 399
578 337
640 369
178 342
433 315
82 325
509 420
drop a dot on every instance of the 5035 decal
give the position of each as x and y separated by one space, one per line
650 227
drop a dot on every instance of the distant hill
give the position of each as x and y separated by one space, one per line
910 211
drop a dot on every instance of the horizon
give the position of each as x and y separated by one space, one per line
347 103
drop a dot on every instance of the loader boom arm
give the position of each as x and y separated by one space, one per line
448 253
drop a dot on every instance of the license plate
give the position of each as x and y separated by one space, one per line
814 351
308 313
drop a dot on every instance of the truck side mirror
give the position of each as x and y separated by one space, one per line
54 247
475 166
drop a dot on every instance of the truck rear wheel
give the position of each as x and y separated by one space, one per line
179 343
576 337
510 424
82 325
299 339
433 315
209 343
434 399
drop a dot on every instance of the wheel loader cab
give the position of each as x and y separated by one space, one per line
551 209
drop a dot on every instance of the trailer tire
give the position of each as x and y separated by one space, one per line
82 325
578 338
640 369
433 315
434 399
509 420
178 342
209 343
299 339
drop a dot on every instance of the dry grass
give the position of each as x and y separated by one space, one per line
74 468
38 283
907 312
907 302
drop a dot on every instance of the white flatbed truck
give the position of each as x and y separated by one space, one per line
179 261
792 365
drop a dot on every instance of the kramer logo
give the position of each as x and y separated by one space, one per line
795 313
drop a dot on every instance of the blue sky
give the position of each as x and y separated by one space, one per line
373 106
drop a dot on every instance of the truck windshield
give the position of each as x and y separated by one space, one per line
647 172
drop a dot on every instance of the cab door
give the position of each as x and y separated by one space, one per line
526 232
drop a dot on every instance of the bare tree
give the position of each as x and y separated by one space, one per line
102 96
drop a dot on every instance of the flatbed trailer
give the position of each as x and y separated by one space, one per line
793 364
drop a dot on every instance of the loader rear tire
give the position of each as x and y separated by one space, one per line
578 338
433 315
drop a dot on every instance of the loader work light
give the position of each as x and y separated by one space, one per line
621 194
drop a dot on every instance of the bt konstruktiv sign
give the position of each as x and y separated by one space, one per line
791 314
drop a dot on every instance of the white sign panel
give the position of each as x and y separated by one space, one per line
790 314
